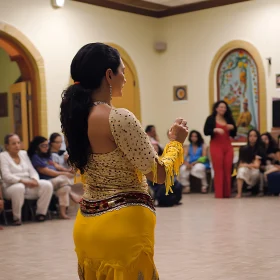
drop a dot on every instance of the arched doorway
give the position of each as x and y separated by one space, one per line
27 95
131 92
245 83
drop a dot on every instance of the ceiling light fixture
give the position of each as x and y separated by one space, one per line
58 3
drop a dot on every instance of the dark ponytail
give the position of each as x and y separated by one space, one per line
88 69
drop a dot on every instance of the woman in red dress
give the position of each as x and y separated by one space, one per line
221 127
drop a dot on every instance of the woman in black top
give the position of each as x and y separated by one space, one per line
221 127
270 147
251 157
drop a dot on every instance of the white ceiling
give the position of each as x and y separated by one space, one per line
174 3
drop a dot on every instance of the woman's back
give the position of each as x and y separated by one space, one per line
121 154
99 132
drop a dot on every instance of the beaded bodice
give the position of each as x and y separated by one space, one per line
118 171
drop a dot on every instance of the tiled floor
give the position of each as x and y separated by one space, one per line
203 239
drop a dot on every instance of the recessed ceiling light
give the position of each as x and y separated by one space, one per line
58 3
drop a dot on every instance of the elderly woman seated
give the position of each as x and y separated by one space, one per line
60 177
20 180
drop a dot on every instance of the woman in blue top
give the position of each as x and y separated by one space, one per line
194 165
60 177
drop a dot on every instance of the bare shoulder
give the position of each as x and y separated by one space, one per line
98 119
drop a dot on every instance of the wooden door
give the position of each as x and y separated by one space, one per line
20 108
129 99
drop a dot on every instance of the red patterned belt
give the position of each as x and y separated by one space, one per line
118 201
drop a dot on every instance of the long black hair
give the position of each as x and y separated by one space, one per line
272 145
228 114
35 149
248 153
200 140
88 69
259 143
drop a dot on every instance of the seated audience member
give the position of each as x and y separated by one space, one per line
270 146
195 162
272 175
151 132
59 156
275 167
20 180
251 157
163 200
157 191
60 177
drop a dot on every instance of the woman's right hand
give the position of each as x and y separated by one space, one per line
179 131
25 182
219 130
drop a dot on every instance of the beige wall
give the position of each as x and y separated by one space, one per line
193 40
9 73
59 33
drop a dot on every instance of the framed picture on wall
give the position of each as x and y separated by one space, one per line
3 104
180 93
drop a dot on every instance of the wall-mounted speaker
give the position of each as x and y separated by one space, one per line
160 46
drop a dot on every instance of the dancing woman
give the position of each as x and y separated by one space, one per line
114 229
221 127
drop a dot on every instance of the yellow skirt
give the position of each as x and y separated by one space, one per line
117 245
